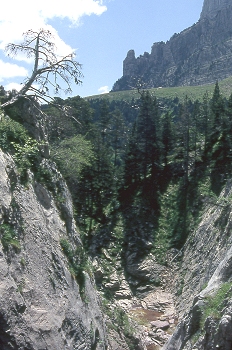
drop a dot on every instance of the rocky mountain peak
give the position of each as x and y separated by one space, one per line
211 7
200 54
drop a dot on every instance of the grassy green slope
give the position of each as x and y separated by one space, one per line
193 92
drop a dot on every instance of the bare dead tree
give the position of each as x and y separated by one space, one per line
49 71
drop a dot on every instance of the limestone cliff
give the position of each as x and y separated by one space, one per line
212 7
204 282
198 55
41 306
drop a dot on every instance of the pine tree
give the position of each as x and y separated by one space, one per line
104 120
147 122
195 135
132 159
183 137
95 188
205 120
217 111
229 116
117 136
167 136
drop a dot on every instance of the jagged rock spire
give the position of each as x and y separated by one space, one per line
211 7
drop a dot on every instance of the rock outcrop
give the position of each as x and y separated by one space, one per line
204 282
212 7
41 306
198 55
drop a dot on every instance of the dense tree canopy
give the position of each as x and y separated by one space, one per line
121 158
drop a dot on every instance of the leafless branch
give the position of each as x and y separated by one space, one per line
49 70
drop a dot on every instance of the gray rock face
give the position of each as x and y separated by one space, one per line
40 302
198 55
211 7
160 324
206 269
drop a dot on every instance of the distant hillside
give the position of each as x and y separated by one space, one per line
198 55
193 92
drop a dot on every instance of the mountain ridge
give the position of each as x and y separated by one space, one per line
200 54
212 7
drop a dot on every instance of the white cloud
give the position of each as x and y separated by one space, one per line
12 86
9 70
17 86
103 89
16 17
72 9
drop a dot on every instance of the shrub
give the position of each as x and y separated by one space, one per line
78 262
215 303
67 249
72 155
15 139
11 132
8 237
26 155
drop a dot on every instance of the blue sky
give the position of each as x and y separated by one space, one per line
101 32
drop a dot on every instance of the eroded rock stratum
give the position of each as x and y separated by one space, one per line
204 282
41 306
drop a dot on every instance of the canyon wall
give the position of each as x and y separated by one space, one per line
42 306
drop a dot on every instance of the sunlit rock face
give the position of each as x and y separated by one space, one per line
212 7
200 54
41 306
205 276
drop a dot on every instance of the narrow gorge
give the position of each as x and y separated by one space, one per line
116 211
